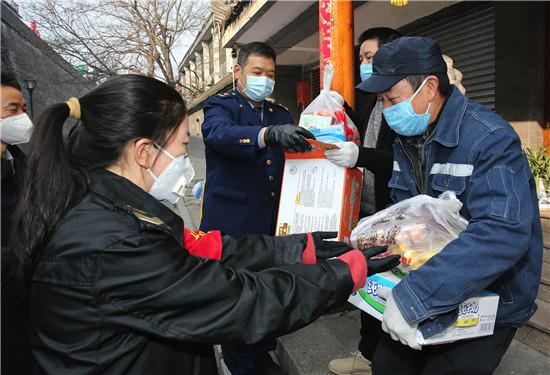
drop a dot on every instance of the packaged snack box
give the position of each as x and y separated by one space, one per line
318 195
476 315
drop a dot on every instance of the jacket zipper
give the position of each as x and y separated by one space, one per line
412 163
423 160
424 156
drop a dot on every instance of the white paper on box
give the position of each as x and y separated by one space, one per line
311 197
476 315
315 122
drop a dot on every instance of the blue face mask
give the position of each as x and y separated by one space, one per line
402 118
258 87
365 70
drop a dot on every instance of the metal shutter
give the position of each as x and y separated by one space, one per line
468 37
315 83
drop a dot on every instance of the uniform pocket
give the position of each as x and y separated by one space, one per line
445 182
398 188
230 194
397 181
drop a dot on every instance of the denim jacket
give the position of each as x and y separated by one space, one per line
478 155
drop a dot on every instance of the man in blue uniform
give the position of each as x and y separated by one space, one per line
245 135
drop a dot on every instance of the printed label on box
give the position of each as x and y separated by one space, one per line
318 195
311 198
370 292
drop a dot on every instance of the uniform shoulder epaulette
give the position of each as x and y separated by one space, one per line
274 102
146 220
280 105
227 94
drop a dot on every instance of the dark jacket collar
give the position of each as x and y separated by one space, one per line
14 167
16 152
447 129
125 194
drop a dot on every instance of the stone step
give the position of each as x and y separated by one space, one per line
541 318
534 338
545 219
309 350
522 359
536 333
544 292
545 276
545 222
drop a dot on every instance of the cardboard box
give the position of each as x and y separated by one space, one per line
318 195
476 315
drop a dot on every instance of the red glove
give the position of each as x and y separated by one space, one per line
362 263
357 266
204 245
319 246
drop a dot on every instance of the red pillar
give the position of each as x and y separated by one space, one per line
336 45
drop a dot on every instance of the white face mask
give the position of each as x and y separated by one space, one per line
170 184
16 129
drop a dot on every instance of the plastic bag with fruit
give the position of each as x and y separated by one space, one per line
326 118
416 228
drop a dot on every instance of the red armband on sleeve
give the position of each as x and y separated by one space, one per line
204 245
308 255
357 267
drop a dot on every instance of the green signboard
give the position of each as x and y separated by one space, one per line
82 69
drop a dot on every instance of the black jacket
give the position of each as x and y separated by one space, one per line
378 160
12 184
116 293
16 351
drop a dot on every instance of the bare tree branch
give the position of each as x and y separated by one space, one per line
118 36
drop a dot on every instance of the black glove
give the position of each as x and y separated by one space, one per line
328 249
290 137
382 264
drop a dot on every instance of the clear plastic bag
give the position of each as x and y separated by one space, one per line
416 228
326 118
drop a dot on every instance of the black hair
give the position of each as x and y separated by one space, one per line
9 79
255 48
444 84
113 114
382 34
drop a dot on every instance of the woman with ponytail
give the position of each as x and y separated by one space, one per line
118 286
